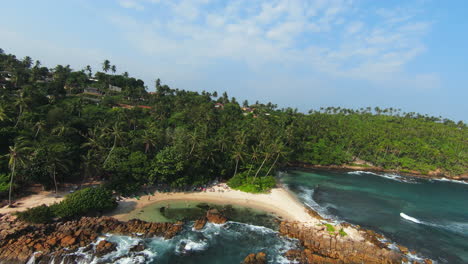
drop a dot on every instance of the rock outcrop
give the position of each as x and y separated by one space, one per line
200 223
214 216
18 240
322 247
259 258
104 247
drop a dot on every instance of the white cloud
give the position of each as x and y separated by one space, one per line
131 4
319 36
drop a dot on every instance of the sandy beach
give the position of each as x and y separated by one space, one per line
34 200
278 202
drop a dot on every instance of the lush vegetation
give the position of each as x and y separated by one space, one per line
60 125
88 201
37 215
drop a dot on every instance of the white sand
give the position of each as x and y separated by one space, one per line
278 201
34 200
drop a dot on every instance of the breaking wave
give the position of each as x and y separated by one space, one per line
188 243
409 218
390 176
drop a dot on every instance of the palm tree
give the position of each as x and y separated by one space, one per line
237 154
279 151
117 134
267 156
3 115
61 129
56 160
89 70
21 104
39 125
17 156
148 140
106 66
113 69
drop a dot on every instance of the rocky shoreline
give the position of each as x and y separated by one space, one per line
60 241
431 175
323 247
54 243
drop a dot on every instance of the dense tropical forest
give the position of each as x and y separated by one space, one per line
62 125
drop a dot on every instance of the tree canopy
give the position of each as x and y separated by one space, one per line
78 126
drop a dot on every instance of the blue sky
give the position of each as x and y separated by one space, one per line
303 53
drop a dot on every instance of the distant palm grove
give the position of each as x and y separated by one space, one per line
60 125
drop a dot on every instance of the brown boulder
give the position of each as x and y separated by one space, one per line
137 248
200 223
214 216
259 258
52 241
67 241
403 249
104 247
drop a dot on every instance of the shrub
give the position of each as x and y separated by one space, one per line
85 201
330 228
4 184
342 233
248 184
37 215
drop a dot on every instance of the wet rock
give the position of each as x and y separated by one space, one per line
321 247
214 216
403 249
200 223
137 248
18 240
259 258
104 247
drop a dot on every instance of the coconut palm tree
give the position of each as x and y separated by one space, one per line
3 115
106 66
148 140
56 161
22 104
238 154
39 125
116 132
279 150
17 155
61 129
89 70
113 69
267 156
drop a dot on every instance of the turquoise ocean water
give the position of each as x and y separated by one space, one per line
428 216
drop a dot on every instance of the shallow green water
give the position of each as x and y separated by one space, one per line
173 211
428 216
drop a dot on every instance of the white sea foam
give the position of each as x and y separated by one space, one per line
255 228
390 176
450 180
409 218
188 245
307 196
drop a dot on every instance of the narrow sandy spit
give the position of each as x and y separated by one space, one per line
277 201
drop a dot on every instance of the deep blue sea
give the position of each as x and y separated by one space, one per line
428 216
